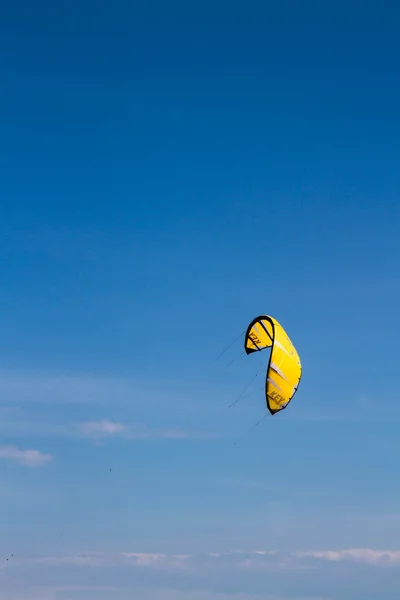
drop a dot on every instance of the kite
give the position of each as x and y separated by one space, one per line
284 366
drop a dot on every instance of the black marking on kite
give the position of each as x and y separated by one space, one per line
266 331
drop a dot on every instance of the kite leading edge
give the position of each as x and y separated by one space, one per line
284 366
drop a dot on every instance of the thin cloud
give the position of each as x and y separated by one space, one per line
161 562
105 428
96 430
78 560
359 555
23 387
102 428
270 560
28 458
71 388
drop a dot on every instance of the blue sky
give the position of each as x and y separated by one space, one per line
168 172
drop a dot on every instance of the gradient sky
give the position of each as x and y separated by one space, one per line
169 171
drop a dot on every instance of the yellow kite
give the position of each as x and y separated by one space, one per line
284 367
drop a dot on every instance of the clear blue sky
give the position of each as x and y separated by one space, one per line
169 171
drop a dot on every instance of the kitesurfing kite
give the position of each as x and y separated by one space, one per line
284 366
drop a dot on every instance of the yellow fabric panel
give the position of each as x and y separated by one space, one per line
284 371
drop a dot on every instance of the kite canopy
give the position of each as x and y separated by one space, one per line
284 367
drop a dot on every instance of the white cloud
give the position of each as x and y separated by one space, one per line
102 428
167 562
105 428
144 559
156 561
256 559
359 555
96 430
28 458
